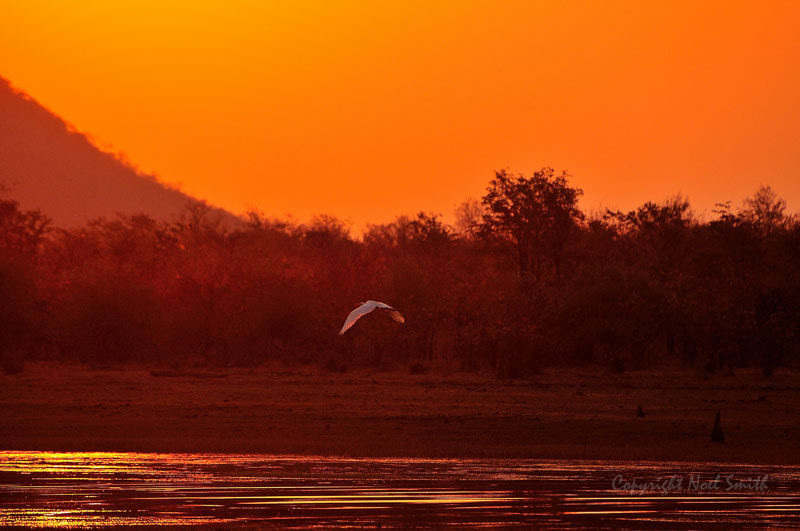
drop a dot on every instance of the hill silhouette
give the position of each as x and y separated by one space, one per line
49 166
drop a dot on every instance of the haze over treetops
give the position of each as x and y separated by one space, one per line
368 110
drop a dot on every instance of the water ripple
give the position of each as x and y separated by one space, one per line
98 489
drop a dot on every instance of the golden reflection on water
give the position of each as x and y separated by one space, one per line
99 489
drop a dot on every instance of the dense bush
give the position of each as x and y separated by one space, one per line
527 281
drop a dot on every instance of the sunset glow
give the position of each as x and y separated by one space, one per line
368 110
573 226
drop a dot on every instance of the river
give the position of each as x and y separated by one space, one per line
51 489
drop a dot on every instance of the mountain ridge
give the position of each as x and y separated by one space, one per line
47 164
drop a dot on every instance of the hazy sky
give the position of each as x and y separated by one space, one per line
371 109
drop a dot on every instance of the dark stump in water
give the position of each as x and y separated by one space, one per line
716 433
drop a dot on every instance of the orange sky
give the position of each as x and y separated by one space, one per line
371 109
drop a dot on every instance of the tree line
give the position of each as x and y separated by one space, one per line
524 279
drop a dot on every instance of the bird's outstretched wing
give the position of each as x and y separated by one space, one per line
357 314
366 308
394 313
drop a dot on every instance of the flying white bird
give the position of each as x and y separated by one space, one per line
366 307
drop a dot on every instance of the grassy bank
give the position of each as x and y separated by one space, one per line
558 414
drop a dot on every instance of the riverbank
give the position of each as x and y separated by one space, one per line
558 414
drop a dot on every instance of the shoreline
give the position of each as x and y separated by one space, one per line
560 414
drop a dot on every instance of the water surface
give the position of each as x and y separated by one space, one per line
112 489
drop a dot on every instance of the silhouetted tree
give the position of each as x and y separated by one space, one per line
21 231
469 215
765 210
20 323
534 214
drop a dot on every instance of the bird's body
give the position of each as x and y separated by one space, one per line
366 307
